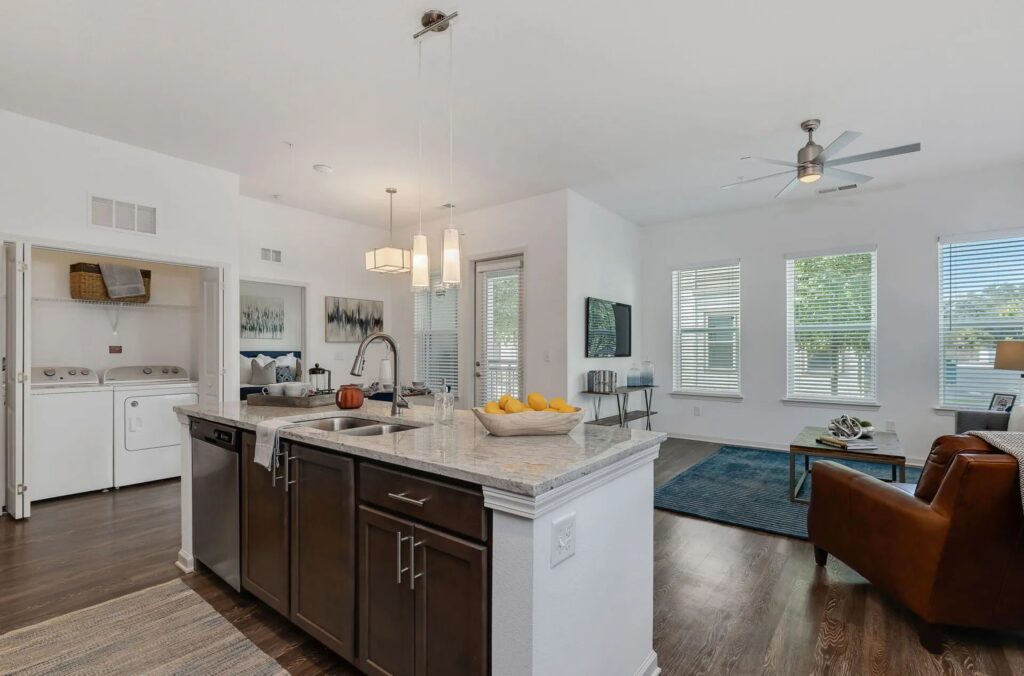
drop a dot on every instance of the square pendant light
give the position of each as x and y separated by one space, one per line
389 259
451 262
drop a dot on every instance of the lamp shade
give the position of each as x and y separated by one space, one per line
451 262
388 259
420 263
1010 355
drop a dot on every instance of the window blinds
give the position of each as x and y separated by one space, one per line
981 301
706 329
499 295
832 328
436 334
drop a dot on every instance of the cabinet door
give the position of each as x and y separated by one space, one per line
450 576
264 530
323 530
386 617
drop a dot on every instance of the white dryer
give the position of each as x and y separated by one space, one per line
147 434
71 440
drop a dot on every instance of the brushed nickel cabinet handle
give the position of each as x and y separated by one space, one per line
412 563
403 498
399 539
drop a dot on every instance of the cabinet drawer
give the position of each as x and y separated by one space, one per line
457 509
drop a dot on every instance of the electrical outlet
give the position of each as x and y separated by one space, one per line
563 538
696 411
890 425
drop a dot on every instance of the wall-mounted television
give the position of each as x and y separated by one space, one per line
609 328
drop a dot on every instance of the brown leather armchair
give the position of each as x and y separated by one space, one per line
951 549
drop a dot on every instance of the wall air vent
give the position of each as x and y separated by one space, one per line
272 255
123 216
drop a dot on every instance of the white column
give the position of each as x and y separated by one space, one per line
592 613
185 559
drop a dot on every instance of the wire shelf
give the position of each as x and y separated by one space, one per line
115 304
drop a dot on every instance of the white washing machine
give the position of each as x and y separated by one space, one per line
147 434
71 443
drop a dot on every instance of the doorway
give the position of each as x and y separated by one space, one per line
500 314
272 330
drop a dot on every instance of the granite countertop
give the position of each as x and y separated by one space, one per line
463 450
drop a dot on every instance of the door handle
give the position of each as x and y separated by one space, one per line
399 539
412 501
412 563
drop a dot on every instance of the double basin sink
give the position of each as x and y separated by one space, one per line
356 427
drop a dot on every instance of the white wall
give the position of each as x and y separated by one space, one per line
905 223
534 227
294 319
324 254
602 261
74 334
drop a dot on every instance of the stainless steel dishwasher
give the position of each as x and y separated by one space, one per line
215 479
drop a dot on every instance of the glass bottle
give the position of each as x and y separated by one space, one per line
633 376
647 373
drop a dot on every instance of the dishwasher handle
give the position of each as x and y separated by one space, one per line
218 435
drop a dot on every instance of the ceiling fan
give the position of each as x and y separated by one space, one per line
813 161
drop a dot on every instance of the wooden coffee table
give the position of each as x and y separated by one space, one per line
889 452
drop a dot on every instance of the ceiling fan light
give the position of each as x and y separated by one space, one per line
808 173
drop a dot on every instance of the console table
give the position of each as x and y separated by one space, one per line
624 415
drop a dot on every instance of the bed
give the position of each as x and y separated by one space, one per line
246 388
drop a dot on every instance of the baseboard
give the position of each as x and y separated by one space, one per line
186 562
649 667
911 462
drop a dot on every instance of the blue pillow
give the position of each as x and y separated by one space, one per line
285 374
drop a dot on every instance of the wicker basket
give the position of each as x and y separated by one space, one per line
87 284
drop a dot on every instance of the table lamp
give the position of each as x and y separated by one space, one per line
1010 356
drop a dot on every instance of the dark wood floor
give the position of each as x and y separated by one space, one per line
726 600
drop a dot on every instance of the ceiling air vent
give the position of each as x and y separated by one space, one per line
124 216
272 255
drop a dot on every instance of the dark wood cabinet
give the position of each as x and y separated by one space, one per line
265 530
386 602
451 605
323 558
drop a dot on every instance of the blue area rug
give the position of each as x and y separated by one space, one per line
748 487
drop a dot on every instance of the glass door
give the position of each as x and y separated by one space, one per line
499 329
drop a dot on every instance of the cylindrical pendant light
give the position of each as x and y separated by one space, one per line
420 257
451 263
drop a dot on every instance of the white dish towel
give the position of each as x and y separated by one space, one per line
122 281
267 438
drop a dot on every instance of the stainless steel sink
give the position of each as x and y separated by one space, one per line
377 430
338 423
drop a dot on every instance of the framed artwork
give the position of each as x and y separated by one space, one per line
262 317
1002 402
349 320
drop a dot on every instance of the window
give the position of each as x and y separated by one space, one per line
499 329
436 334
832 328
981 301
706 329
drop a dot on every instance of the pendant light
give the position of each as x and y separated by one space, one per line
388 259
451 261
420 258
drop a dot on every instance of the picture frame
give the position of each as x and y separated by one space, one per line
349 320
1002 403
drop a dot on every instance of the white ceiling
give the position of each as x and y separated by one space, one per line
644 107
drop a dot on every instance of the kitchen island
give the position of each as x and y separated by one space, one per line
560 547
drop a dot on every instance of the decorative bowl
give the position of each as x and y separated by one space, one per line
531 423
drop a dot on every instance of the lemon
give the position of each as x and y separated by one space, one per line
514 406
551 409
558 402
504 400
492 407
537 401
567 409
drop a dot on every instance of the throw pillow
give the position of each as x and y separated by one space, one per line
285 374
1016 423
244 369
286 360
263 375
263 359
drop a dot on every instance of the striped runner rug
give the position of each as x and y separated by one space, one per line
167 629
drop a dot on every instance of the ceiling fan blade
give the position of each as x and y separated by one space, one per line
843 175
786 188
836 147
755 180
888 152
781 163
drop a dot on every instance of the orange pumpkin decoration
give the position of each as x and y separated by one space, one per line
349 396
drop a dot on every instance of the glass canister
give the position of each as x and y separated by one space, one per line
633 377
444 405
647 373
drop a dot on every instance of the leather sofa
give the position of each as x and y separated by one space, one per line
951 548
